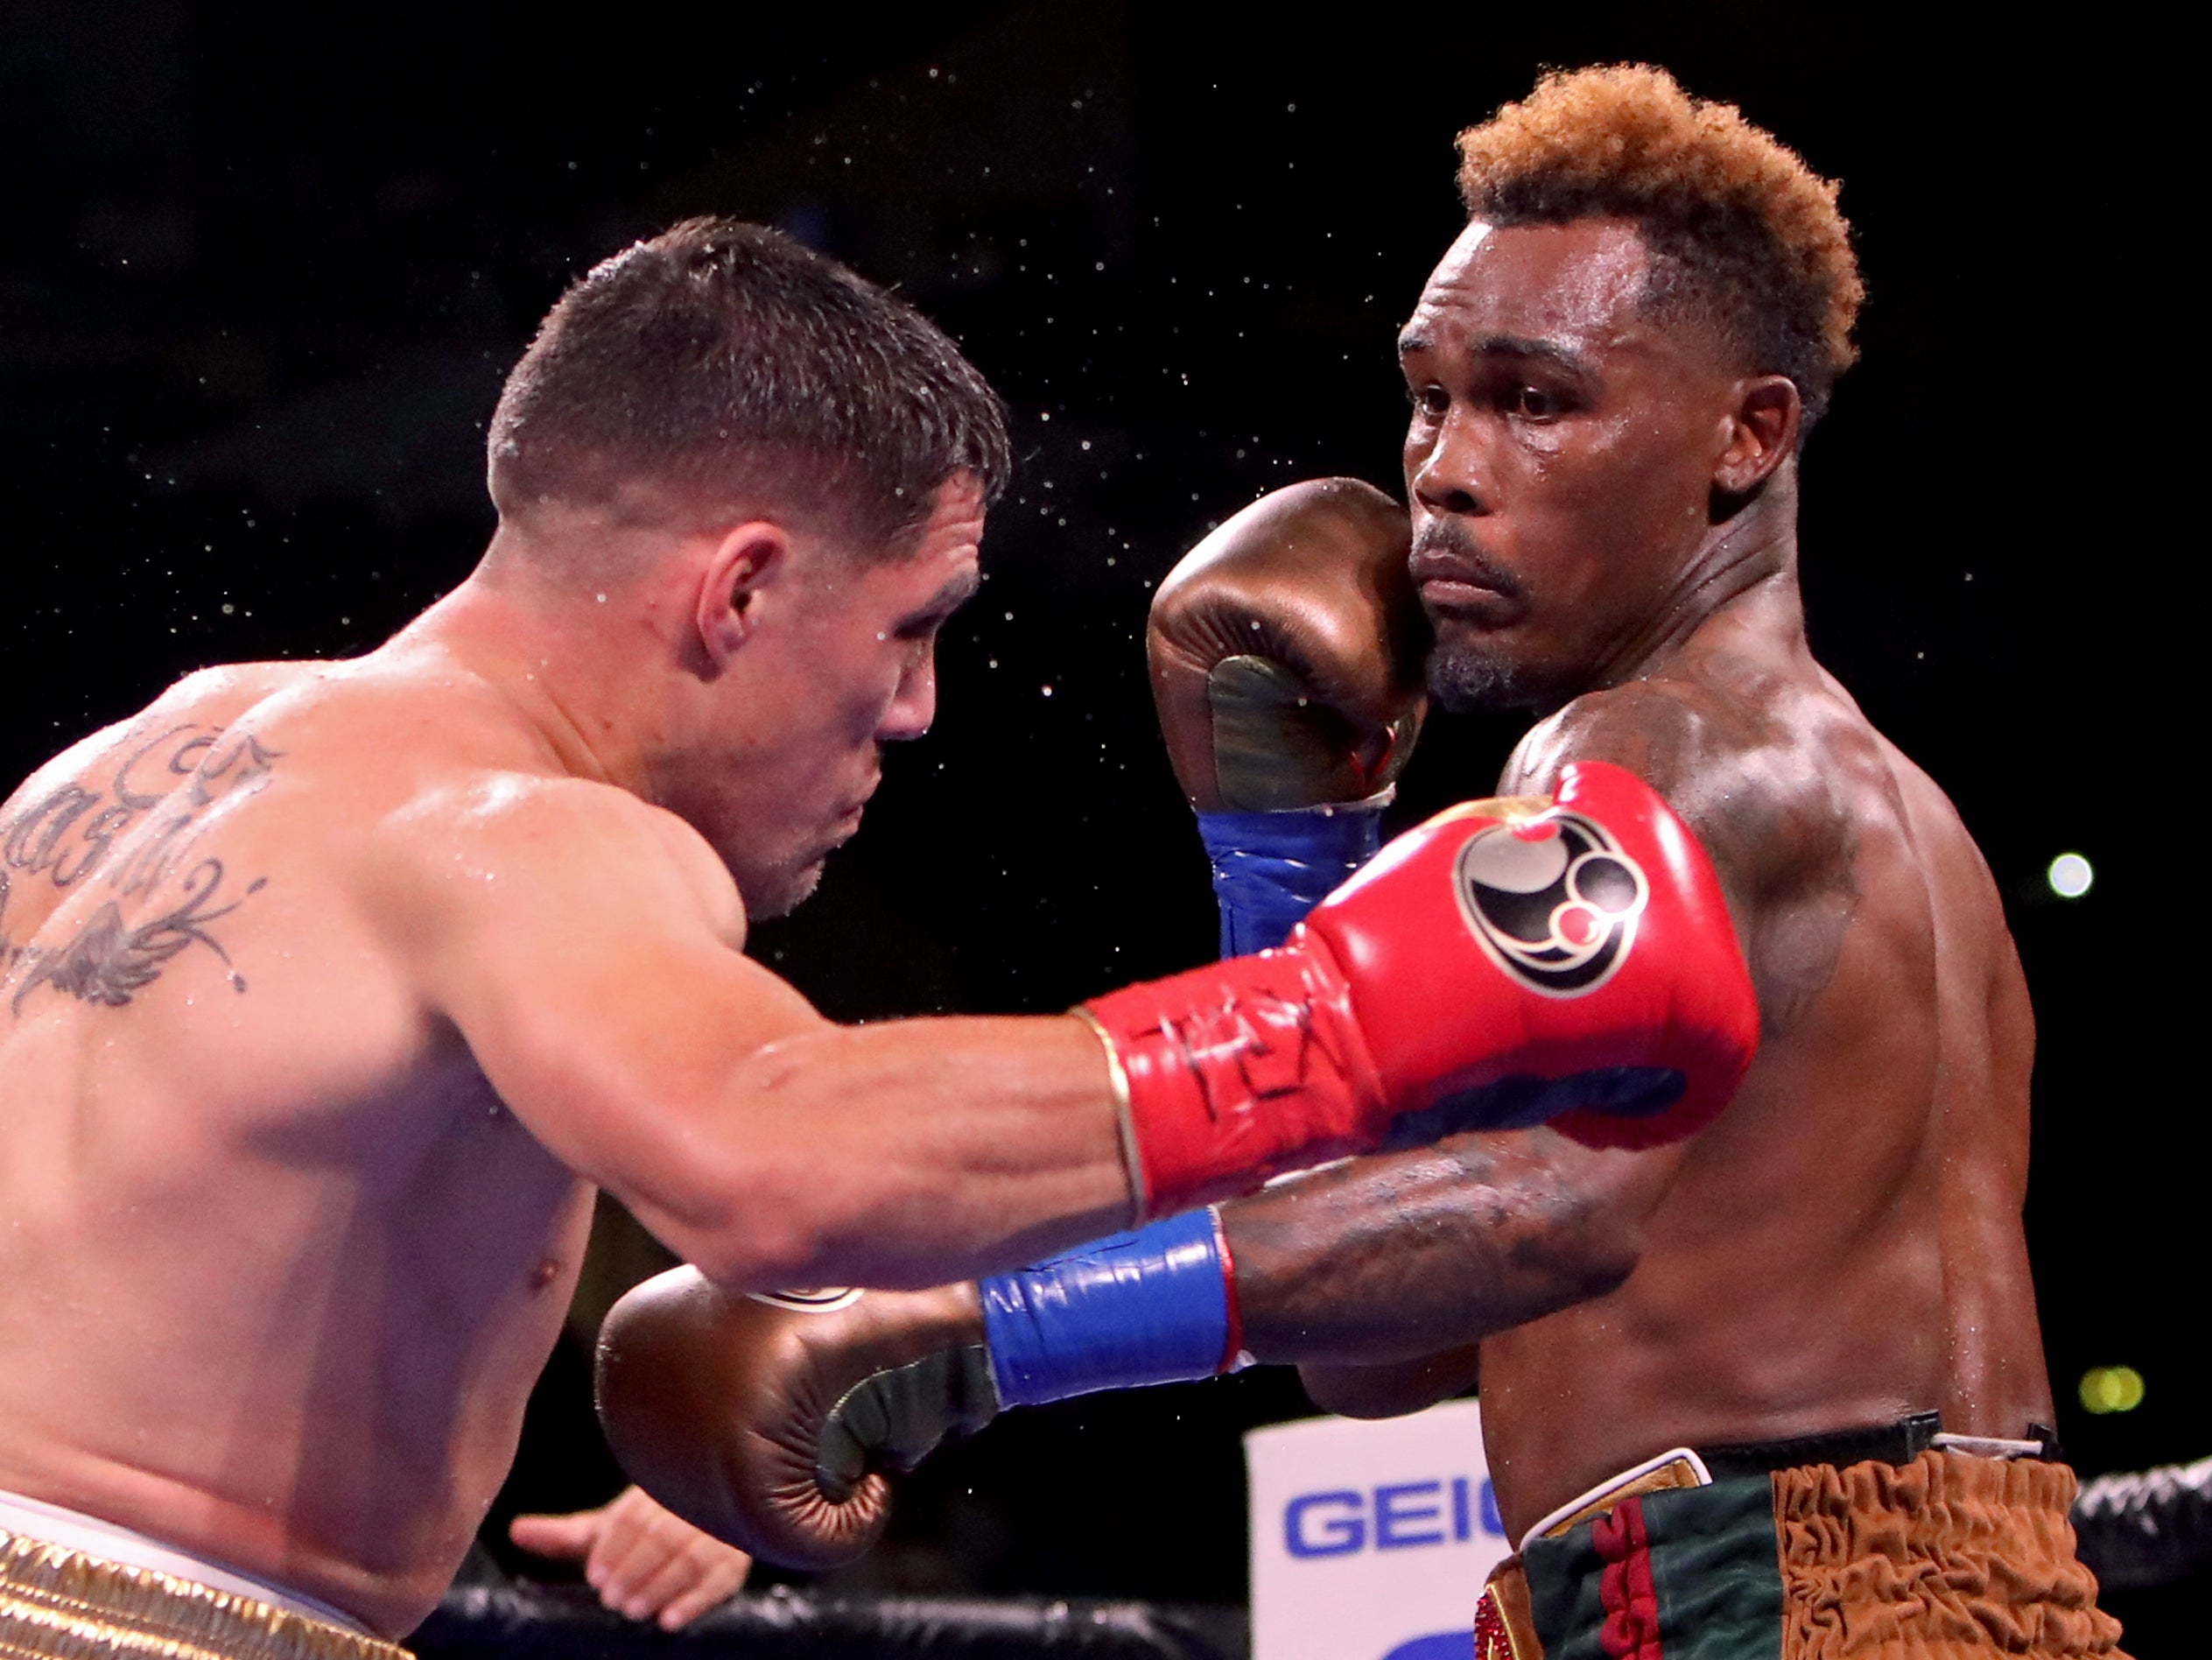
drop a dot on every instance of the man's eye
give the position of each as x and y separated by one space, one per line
1532 405
1430 400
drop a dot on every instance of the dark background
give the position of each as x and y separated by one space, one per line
261 272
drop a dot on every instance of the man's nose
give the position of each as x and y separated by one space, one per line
914 705
1451 476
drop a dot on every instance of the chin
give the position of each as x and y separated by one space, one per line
777 890
790 893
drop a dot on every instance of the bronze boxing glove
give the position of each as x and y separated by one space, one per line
1287 651
768 1420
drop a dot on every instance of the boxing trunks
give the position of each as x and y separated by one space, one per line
73 1587
1896 1541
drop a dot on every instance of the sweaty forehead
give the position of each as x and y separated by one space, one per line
1577 285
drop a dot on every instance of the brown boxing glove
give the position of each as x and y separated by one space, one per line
1287 651
768 1420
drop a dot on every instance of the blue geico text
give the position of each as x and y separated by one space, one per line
1399 1516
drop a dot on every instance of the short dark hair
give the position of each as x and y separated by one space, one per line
722 364
1741 230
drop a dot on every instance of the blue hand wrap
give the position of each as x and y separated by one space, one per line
1270 868
1148 1307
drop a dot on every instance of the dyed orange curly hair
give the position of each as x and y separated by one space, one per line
1741 230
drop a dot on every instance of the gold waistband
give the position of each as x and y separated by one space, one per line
59 1604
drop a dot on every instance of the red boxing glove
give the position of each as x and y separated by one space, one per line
1567 959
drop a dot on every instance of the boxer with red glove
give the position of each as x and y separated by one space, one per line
821 1398
1610 377
1593 971
1560 902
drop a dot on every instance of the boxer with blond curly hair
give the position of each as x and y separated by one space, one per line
1777 1389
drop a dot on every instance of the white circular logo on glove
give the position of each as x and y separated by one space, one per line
1553 899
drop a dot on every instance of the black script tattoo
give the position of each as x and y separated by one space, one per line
241 771
120 833
67 833
107 961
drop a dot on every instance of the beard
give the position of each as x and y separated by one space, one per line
1468 680
1467 672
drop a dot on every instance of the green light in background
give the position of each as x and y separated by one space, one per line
2111 1389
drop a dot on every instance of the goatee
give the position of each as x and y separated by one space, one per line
1472 682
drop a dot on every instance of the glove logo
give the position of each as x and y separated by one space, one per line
826 1299
1554 900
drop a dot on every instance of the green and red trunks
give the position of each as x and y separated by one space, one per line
1945 1556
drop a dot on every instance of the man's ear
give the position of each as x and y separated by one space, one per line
744 562
1762 435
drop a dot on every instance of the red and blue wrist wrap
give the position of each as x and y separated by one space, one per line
1157 1306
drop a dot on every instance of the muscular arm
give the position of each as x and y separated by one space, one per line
585 947
1395 1257
1380 1277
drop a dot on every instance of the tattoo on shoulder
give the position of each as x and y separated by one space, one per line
1775 817
134 830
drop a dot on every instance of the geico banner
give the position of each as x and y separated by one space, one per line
1370 1540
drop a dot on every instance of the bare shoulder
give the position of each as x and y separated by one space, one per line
1786 785
452 844
227 690
181 722
71 819
449 796
1758 763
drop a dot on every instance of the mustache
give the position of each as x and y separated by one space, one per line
1445 549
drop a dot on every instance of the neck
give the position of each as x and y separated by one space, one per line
571 669
1745 571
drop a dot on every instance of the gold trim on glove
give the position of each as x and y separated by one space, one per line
1125 1123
